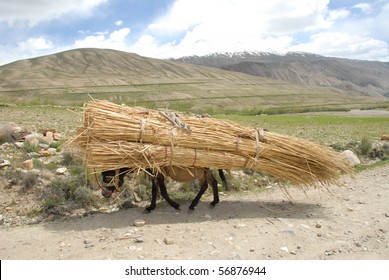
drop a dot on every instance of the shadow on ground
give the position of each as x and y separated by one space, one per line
226 210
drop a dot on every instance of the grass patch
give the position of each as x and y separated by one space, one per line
325 129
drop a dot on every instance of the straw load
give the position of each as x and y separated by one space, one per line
116 136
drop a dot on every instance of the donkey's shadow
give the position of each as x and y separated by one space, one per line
164 214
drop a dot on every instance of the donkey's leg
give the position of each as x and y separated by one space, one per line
164 194
213 182
154 192
195 201
203 188
224 180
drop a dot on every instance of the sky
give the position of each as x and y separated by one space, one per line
175 28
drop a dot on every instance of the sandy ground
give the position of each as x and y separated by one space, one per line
350 223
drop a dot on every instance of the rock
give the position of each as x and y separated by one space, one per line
240 226
44 153
4 163
9 132
33 139
28 164
139 223
387 215
87 241
351 157
318 225
49 136
285 249
385 137
168 241
61 171
19 145
43 146
139 239
57 136
52 151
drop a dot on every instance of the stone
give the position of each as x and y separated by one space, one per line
19 145
61 171
285 249
28 164
49 136
57 136
139 239
4 163
139 223
33 139
385 137
52 151
168 241
240 226
44 153
351 157
9 132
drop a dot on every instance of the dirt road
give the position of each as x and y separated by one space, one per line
350 223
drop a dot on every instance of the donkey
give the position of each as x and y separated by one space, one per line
114 179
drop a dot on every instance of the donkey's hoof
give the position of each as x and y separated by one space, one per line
213 203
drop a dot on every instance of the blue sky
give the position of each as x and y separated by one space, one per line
175 28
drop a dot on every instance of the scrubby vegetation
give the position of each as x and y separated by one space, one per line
62 194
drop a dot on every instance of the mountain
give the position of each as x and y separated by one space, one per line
75 76
353 76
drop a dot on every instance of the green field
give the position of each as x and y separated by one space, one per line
325 128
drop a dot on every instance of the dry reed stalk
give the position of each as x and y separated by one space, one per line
118 154
113 136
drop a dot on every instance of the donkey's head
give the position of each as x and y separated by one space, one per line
112 181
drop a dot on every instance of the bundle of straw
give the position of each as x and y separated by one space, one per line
114 136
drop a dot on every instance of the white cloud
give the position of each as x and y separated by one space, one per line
338 14
33 45
364 7
276 16
115 40
119 23
199 27
345 45
234 25
34 12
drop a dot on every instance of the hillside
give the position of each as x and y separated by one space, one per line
73 77
353 76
